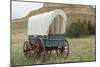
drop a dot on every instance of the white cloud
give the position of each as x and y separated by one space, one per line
21 9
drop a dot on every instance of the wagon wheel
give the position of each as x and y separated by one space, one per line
26 49
39 49
62 51
67 49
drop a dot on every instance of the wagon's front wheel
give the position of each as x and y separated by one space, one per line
39 49
26 49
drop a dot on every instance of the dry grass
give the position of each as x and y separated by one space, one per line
80 49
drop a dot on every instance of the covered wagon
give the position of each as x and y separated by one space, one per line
47 32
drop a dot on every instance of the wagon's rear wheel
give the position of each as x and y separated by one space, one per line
63 51
66 49
26 49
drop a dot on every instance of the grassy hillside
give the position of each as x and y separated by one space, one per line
73 12
70 19
19 27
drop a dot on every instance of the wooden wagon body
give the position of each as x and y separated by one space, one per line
51 40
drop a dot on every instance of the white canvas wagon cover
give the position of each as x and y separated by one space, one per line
40 24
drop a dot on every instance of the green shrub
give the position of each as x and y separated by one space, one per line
77 29
91 28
